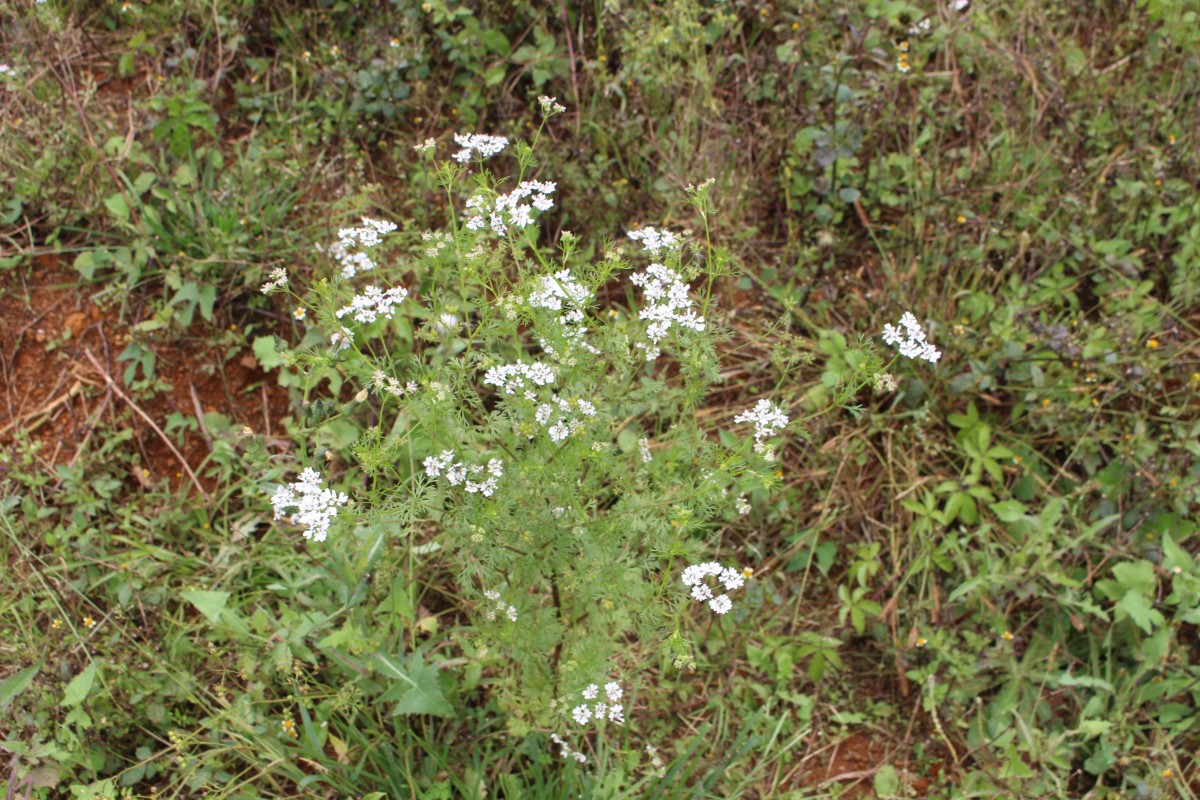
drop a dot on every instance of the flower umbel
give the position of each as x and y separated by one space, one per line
696 577
909 337
316 507
478 144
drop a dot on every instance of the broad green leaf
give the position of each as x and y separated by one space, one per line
887 782
117 205
1091 728
16 683
80 686
210 604
415 686
267 352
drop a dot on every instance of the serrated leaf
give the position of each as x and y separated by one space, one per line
16 683
1135 606
80 686
415 686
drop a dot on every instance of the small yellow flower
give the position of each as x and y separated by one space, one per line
1158 181
1095 401
1152 343
300 313
795 26
1045 402
335 51
427 7
748 572
1007 636
1167 773
1195 377
57 624
960 219
289 728
89 622
394 42
1171 138
1016 459
922 641
306 55
903 47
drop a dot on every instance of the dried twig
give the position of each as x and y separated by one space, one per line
149 421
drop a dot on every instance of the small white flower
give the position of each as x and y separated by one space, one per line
721 604
742 505
767 417
426 146
732 579
479 144
279 279
316 506
656 239
644 449
549 106
374 303
667 305
591 692
702 592
613 691
910 342
582 714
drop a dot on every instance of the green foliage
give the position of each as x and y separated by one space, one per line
987 566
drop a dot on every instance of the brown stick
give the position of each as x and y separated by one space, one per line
137 409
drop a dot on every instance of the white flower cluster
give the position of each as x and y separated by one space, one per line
508 209
566 751
767 417
667 304
644 450
480 144
279 279
655 239
511 378
911 339
562 293
341 340
568 421
383 382
501 606
456 472
695 576
316 507
436 242
374 303
444 325
426 146
609 708
742 505
549 106
348 249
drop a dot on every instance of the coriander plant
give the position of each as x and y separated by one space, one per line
531 415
